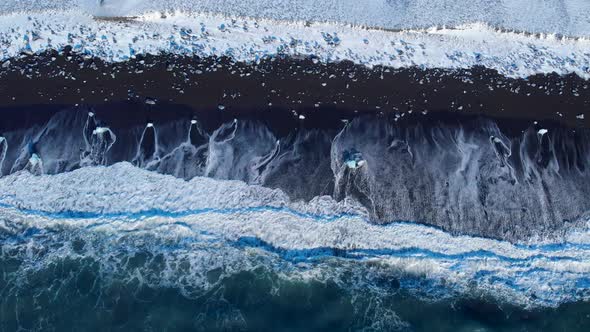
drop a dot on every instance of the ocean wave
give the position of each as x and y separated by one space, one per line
532 274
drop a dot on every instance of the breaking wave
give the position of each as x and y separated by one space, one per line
205 219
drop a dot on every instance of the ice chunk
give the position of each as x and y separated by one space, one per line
353 159
35 165
100 130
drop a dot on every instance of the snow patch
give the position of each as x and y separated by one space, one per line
246 39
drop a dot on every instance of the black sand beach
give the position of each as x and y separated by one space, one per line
219 88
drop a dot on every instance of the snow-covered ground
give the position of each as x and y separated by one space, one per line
567 17
247 39
122 200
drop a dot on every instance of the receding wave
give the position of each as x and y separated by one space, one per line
469 176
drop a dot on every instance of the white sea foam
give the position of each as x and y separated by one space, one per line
246 39
122 199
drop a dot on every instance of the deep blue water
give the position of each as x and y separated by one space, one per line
70 295
69 279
